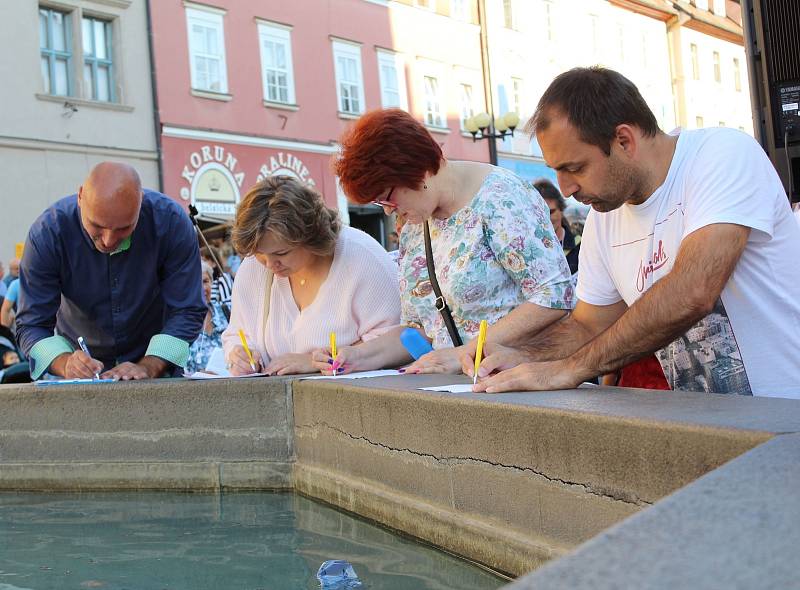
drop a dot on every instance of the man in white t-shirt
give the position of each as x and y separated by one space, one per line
690 251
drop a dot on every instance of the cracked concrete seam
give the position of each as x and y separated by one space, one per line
585 487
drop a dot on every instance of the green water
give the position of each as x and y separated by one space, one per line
248 541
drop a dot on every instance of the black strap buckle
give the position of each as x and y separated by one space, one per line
439 303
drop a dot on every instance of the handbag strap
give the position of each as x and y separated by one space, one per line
440 302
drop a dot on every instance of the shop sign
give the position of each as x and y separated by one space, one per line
213 181
286 164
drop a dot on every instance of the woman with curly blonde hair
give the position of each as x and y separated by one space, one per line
303 276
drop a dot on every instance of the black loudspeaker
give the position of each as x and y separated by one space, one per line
772 42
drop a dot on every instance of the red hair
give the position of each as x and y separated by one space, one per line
384 149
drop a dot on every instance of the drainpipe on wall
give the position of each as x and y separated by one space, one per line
674 25
154 91
487 75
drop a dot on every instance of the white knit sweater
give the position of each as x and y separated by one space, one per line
359 300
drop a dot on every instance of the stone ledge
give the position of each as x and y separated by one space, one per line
207 477
150 422
736 527
614 456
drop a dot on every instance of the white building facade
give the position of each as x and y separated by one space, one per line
649 41
76 91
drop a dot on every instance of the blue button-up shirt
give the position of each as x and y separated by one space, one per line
141 300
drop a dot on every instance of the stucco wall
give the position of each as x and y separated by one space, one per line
47 148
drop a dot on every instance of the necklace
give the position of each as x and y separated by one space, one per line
302 282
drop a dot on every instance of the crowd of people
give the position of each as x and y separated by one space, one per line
681 277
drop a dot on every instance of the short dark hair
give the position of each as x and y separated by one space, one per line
595 101
549 192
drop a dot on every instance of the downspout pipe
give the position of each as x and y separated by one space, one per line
154 91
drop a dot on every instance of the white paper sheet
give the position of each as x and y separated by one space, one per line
467 387
361 375
74 382
456 388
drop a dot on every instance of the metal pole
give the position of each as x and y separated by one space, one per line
487 77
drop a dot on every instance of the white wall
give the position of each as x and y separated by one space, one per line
581 33
46 149
715 101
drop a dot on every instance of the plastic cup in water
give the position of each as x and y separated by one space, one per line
337 574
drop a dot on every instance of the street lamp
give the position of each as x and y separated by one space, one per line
491 127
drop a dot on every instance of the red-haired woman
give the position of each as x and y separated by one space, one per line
494 251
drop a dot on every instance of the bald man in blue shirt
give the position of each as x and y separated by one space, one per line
118 266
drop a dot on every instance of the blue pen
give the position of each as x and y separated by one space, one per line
85 349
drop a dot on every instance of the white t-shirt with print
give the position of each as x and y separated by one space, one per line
750 343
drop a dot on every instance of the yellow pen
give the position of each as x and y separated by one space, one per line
334 367
479 351
247 350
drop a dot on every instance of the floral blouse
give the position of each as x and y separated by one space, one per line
201 349
491 256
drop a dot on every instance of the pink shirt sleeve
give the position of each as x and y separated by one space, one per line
246 299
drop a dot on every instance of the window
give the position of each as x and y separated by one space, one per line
276 63
207 50
508 13
467 108
722 123
428 4
698 122
391 72
98 75
695 62
717 69
349 83
516 95
433 104
737 75
55 42
459 9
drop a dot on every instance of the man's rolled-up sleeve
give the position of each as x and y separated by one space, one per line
181 287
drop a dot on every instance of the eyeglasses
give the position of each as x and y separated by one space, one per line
387 202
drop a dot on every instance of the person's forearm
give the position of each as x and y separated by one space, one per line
522 323
59 365
384 351
6 316
558 341
651 323
672 305
154 366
